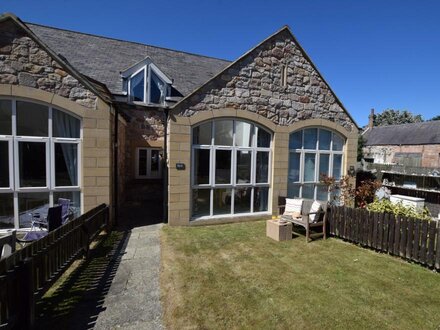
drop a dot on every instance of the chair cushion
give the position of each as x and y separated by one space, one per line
316 206
293 207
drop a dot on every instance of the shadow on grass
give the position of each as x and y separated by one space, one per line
78 300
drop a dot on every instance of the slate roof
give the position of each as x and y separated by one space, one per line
427 132
103 58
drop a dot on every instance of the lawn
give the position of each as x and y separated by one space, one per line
233 277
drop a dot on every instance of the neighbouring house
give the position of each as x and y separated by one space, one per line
407 159
100 120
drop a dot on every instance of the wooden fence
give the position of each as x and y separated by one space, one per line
412 239
29 272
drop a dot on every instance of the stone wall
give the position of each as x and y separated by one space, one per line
255 84
23 62
386 154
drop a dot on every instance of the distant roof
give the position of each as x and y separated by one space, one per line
103 58
427 132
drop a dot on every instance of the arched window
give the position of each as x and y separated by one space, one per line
312 153
230 168
39 160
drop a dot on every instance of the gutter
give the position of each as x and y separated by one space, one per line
115 164
165 166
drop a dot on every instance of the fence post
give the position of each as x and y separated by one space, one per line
27 301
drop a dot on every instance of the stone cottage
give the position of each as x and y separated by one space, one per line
100 120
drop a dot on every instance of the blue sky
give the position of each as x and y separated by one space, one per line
374 53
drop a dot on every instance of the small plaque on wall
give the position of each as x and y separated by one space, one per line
180 166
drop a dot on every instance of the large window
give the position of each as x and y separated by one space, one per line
313 152
39 160
230 168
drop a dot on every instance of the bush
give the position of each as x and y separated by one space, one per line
385 206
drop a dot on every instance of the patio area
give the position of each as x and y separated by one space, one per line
233 276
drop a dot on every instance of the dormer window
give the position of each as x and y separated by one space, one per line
145 83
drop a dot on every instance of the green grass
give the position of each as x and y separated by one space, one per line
234 277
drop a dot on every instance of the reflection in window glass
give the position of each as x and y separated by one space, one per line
32 164
201 202
4 164
66 164
73 197
5 117
65 125
143 155
137 88
32 206
261 199
201 171
310 138
222 201
222 166
321 193
244 166
295 140
242 202
202 134
223 133
338 142
309 167
337 166
243 134
155 160
324 162
263 138
325 138
293 189
294 161
6 211
157 88
32 119
308 191
262 167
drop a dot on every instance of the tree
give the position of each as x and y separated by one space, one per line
395 117
434 118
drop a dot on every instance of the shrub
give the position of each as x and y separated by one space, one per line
385 206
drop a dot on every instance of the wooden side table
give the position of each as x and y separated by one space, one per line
278 231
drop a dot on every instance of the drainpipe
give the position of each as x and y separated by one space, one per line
115 166
165 167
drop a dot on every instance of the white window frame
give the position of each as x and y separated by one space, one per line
233 185
14 173
148 175
317 152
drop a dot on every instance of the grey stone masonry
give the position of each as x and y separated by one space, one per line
275 80
24 62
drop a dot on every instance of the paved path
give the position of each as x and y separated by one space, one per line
133 300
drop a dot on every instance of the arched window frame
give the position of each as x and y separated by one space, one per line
233 185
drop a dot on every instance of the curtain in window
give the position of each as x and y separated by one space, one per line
157 91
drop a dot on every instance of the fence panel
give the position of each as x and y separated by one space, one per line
412 239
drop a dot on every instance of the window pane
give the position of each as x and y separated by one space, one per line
309 167
261 198
65 125
321 193
262 175
244 166
4 164
295 140
201 166
222 166
324 161
32 205
338 143
310 138
137 87
142 162
223 133
157 88
74 197
6 211
263 138
222 201
242 202
325 138
337 166
5 117
66 164
243 134
292 190
202 134
308 191
32 164
32 119
201 202
294 160
155 160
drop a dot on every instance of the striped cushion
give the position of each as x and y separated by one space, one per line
316 206
293 207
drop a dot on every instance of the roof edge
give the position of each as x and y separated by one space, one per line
74 72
